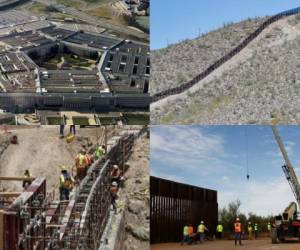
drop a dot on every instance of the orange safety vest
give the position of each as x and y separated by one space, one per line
88 159
113 190
191 231
237 227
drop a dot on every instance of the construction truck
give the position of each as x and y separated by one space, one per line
287 225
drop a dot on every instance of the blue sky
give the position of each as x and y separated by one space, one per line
215 157
175 20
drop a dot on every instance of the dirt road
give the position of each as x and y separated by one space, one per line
42 152
264 244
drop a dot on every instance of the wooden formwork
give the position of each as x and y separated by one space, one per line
173 205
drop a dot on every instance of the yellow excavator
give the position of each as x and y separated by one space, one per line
286 226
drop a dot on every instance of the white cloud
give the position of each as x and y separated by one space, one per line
188 149
180 140
263 198
225 178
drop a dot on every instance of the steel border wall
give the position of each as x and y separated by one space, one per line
17 229
185 86
172 205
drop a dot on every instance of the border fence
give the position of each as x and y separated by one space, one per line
185 86
172 205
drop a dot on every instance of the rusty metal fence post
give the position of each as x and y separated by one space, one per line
173 205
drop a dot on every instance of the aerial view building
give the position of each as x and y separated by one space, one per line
56 59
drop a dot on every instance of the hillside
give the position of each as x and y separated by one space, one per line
259 85
182 61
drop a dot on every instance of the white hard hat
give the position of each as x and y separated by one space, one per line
237 218
116 167
114 183
202 222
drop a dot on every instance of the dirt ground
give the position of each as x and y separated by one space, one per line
136 191
40 150
263 244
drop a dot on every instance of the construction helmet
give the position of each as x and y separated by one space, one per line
116 167
249 222
202 222
237 219
63 168
114 184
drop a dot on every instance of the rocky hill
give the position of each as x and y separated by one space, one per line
259 85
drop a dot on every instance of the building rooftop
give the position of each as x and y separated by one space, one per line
97 41
58 33
14 17
126 67
17 71
25 40
70 81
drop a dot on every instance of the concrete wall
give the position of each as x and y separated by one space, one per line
80 50
41 53
15 102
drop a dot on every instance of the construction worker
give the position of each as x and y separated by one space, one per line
250 229
27 182
237 231
255 230
201 231
81 164
61 130
219 231
88 159
116 174
191 234
113 194
99 152
185 234
66 183
72 129
269 228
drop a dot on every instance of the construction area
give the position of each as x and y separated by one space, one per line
184 216
87 189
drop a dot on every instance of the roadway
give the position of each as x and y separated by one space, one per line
262 244
94 20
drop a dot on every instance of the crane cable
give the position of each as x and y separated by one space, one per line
247 160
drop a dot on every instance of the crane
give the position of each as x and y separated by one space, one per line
287 225
288 168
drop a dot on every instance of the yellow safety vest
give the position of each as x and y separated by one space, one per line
99 152
66 183
186 231
61 180
220 228
81 159
201 228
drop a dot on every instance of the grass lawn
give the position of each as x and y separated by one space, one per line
80 121
54 120
136 119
